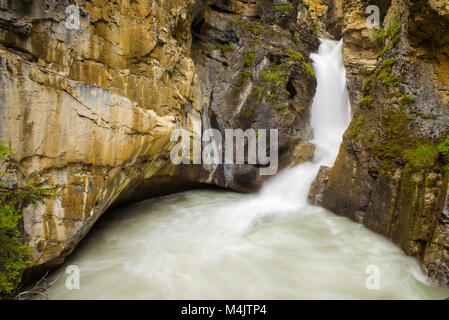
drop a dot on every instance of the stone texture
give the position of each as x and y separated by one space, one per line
92 110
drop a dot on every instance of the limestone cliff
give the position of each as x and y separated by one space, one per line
91 109
391 173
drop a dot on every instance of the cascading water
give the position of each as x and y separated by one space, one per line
273 245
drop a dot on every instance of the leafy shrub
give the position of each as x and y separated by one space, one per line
13 255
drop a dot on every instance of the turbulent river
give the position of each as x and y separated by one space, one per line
211 244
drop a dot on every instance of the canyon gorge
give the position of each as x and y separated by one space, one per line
90 111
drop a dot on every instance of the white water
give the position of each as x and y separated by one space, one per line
273 245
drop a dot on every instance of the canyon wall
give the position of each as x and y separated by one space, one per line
392 170
90 110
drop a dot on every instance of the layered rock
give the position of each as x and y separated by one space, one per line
391 173
91 110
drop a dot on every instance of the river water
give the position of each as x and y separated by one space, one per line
213 244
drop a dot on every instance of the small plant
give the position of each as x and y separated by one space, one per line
226 48
427 116
379 35
306 67
421 157
13 255
249 59
358 126
391 36
406 99
244 75
259 92
443 147
366 101
284 6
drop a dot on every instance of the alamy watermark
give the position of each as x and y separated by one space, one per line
373 21
73 20
209 148
73 280
373 280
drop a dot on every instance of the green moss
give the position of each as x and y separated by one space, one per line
443 147
394 30
226 48
259 92
253 27
249 59
395 138
358 126
379 35
390 36
406 99
284 6
423 156
244 75
399 146
368 84
297 42
305 66
384 73
366 101
428 116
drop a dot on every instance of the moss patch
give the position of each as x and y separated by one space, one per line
285 6
358 126
226 48
305 66
249 59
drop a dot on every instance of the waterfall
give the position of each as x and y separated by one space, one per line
330 116
272 245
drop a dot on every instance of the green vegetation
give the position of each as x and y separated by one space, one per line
249 59
427 116
244 75
13 255
384 73
259 92
443 147
253 27
414 153
406 99
379 35
226 48
390 36
284 6
305 66
274 77
366 101
421 157
358 126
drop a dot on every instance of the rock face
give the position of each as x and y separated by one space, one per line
392 170
91 109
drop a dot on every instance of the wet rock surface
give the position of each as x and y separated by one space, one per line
91 109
